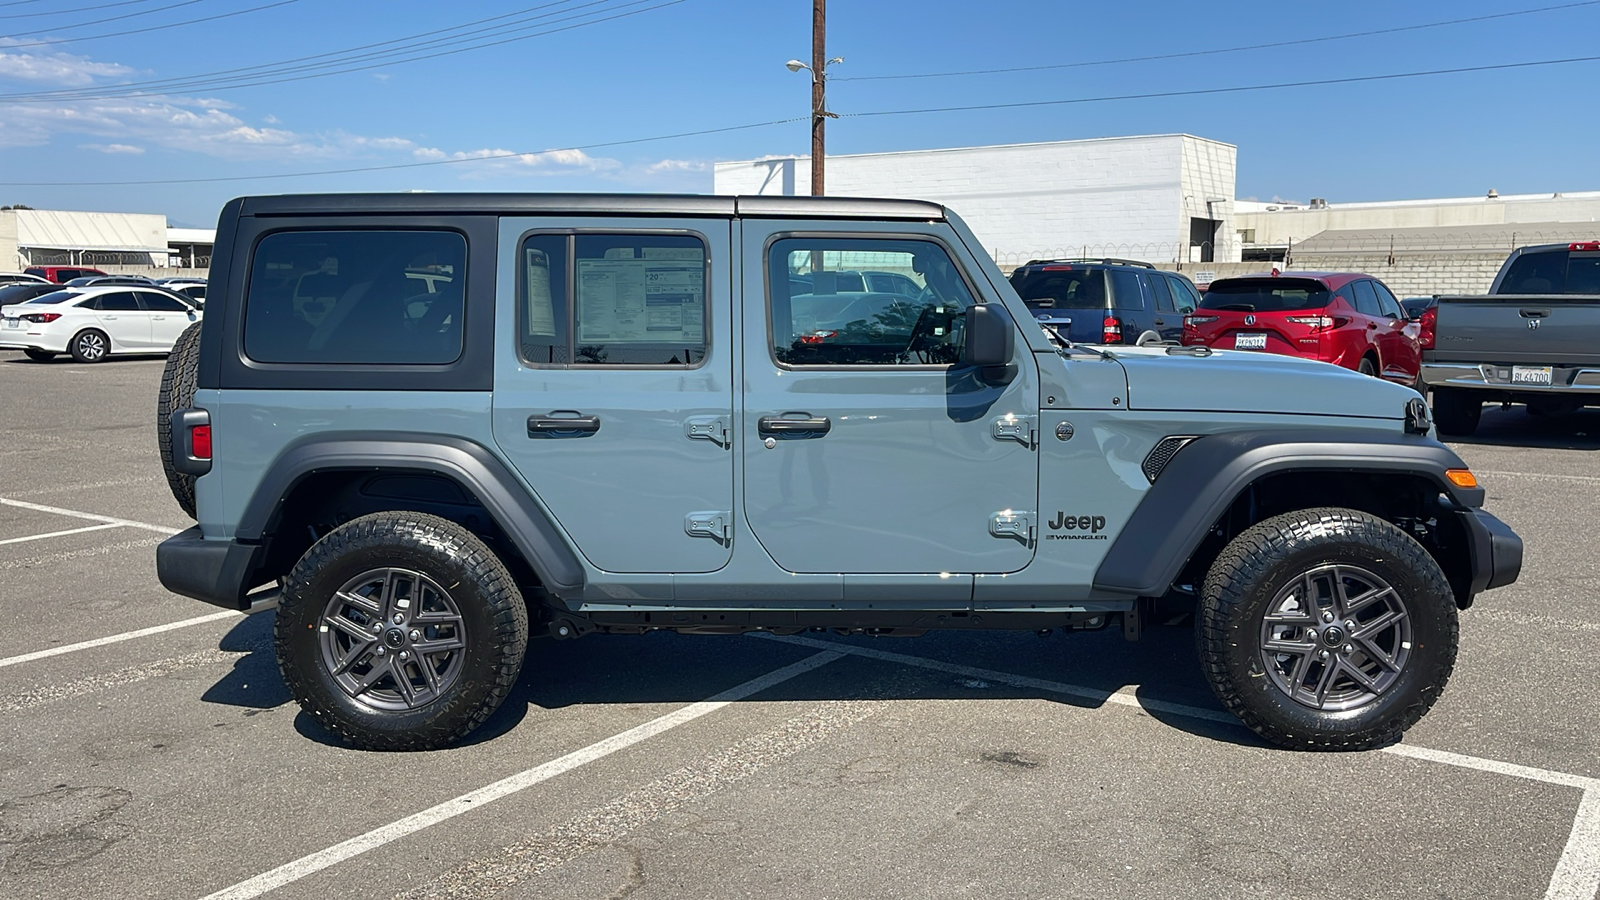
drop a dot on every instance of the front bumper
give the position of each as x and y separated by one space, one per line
1495 377
1495 549
218 572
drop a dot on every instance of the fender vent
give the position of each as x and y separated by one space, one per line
1163 454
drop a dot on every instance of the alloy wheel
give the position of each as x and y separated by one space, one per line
1335 638
393 639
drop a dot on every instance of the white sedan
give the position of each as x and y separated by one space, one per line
95 322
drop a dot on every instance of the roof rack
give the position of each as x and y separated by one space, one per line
1104 260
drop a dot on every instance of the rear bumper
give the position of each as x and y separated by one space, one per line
1564 380
1496 551
21 340
218 572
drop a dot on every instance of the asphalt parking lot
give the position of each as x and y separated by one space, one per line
148 747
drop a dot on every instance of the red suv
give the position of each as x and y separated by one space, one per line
1345 318
61 274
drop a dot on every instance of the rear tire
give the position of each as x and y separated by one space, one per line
178 381
40 355
1456 411
1327 629
89 346
425 681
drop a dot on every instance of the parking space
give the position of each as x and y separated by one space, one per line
151 748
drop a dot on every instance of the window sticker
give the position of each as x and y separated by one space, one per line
641 300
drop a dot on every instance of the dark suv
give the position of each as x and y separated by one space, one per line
1106 301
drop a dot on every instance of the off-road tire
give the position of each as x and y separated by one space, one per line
177 392
80 347
494 618
1455 411
39 355
1266 558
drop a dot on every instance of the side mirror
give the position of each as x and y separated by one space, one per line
990 342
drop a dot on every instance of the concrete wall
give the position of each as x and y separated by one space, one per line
1102 197
1413 276
1278 228
10 261
1208 174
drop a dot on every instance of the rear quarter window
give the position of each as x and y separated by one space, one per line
366 297
1553 272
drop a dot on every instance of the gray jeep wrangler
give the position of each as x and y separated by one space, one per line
427 427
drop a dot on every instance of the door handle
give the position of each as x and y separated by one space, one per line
781 425
567 422
1534 313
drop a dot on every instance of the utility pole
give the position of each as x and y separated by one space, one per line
819 92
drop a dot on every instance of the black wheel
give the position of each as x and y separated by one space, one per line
400 631
177 392
1327 629
1368 367
39 355
89 346
1456 411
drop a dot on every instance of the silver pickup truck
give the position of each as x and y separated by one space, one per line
1535 339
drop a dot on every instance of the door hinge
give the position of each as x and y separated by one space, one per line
717 524
708 428
1014 524
1012 427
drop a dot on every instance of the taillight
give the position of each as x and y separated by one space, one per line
1196 321
1584 245
1430 319
41 318
200 441
1313 321
1111 330
816 337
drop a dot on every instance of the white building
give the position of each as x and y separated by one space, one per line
1161 198
43 237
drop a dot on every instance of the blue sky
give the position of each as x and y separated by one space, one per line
658 67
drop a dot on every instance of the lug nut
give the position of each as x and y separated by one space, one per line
1348 649
405 654
1350 624
377 627
1327 617
399 618
1324 654
415 635
381 652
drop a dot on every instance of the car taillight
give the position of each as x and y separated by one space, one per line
1313 321
816 337
1196 321
1111 330
1430 318
1584 245
200 441
41 318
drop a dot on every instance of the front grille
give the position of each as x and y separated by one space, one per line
1163 454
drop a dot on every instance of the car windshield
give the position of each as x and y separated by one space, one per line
1266 295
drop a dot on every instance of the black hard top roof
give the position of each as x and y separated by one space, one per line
588 204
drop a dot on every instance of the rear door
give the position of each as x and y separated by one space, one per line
1402 354
169 316
121 316
614 384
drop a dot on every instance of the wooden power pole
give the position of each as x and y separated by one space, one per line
819 65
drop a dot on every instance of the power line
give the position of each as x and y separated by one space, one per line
126 32
131 15
1240 49
250 76
62 12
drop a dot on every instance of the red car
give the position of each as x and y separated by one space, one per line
61 274
1345 318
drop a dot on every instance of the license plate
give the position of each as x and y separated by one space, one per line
13 323
1249 342
1530 374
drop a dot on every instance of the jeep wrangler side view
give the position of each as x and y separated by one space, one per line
427 427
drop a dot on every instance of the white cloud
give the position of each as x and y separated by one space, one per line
114 148
58 69
498 162
679 165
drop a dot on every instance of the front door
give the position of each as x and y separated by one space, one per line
613 384
123 318
868 447
169 316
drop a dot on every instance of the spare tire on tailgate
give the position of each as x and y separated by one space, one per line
177 392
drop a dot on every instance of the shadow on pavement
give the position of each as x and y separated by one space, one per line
1514 427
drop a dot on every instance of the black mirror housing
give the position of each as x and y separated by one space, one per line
990 342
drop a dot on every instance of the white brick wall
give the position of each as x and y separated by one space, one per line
1112 196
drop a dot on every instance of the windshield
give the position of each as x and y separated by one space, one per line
1266 295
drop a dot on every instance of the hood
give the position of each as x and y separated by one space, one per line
1242 381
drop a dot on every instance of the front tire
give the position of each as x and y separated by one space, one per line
90 345
400 631
1456 411
1327 629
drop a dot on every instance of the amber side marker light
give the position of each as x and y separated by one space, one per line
1461 478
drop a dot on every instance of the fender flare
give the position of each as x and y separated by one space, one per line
466 462
1204 478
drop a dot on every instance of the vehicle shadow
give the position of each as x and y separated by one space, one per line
1514 427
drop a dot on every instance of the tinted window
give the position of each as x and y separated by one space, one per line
1366 299
1163 293
18 293
817 319
1537 273
344 297
121 301
1055 287
56 296
197 291
162 303
1387 303
1265 295
1184 293
1125 290
542 314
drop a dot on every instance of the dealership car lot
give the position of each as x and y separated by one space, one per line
151 749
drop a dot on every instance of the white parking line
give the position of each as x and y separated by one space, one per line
449 809
51 534
1577 874
1588 478
92 517
116 638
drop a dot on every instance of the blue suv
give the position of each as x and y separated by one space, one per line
1106 301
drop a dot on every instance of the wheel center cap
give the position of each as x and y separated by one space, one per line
394 639
1333 636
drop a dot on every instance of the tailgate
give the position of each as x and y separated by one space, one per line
1550 330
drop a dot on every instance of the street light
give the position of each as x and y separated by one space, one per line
819 110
